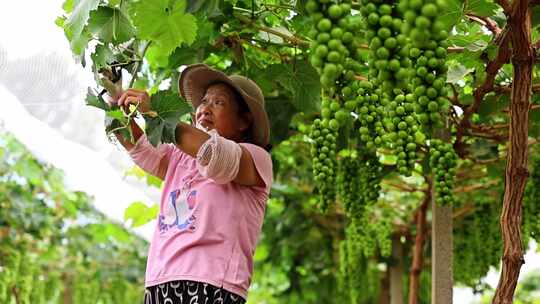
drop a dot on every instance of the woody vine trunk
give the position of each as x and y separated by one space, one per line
516 163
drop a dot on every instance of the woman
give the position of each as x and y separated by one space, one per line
217 178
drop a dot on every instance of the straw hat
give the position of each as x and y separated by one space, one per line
196 78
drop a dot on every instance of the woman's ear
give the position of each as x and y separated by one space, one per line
193 119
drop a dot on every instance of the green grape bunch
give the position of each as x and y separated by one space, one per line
429 53
371 176
358 180
348 182
402 130
334 53
323 153
387 111
334 48
370 113
390 66
443 162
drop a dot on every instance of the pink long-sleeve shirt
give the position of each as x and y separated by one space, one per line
205 232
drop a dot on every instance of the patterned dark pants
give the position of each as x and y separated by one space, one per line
189 292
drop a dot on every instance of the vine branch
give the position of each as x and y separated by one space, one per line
487 22
292 39
492 69
419 240
516 172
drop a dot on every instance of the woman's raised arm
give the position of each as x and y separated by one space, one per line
153 160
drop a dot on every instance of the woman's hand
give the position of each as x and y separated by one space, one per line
136 97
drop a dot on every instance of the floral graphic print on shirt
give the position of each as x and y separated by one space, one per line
179 210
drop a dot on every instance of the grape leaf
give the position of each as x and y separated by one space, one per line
301 7
452 12
534 125
29 169
68 6
300 24
308 86
482 7
78 45
114 2
302 80
260 74
470 36
168 25
535 16
168 107
496 169
140 213
96 101
118 115
110 25
456 73
467 58
206 33
492 104
102 56
76 22
492 51
183 56
281 112
114 124
157 56
208 7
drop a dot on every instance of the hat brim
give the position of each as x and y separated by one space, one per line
195 80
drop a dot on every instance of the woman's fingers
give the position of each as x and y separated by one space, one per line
134 96
131 93
120 100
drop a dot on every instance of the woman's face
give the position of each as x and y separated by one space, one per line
220 111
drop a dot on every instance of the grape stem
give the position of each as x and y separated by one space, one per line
135 69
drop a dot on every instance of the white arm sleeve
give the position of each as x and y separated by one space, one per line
219 158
